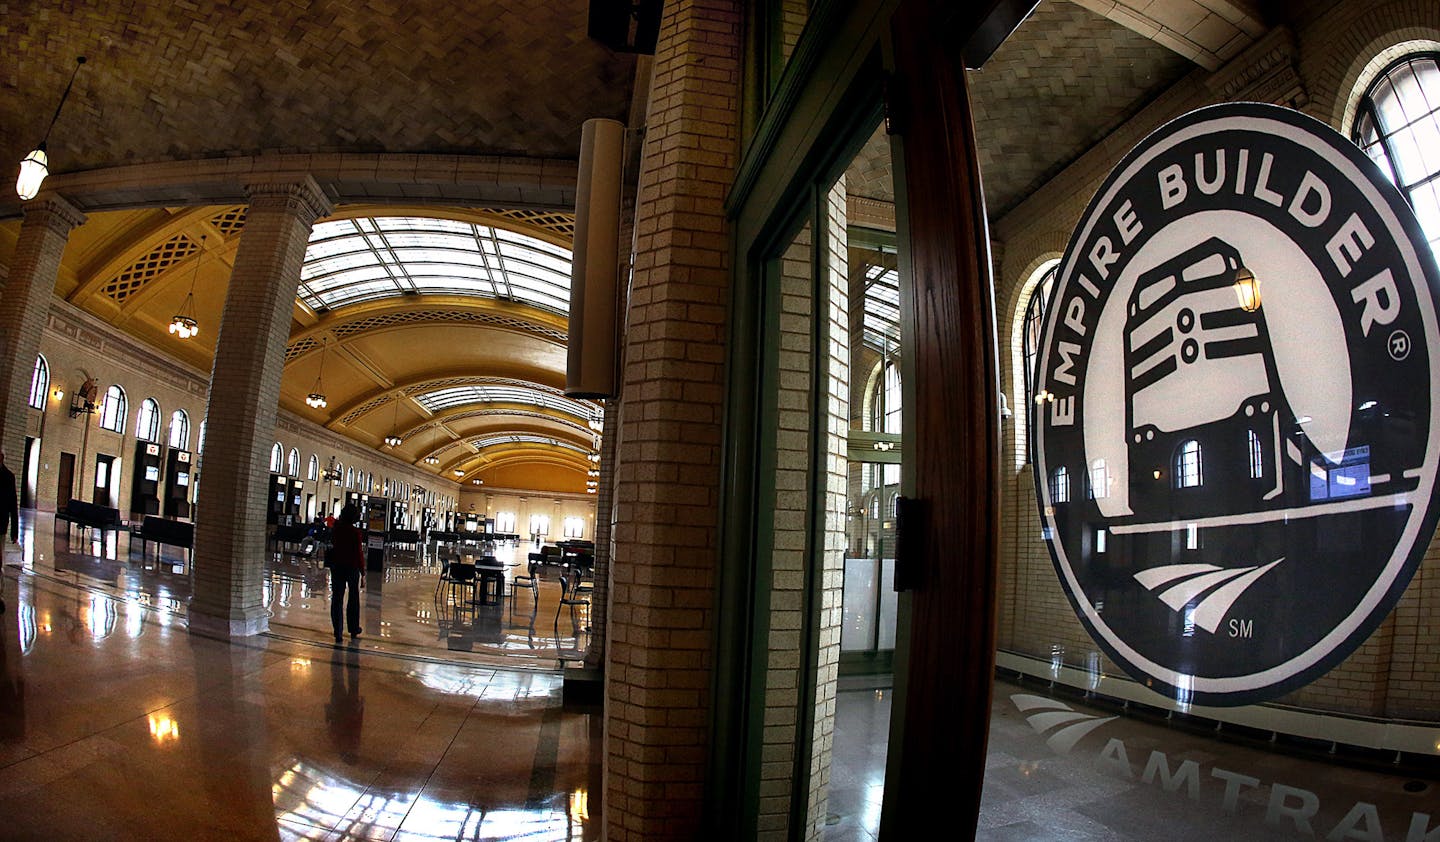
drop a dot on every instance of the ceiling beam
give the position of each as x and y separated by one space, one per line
1208 32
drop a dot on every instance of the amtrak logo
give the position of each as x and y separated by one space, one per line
1235 457
1061 725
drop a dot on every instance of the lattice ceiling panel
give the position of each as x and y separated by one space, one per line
229 222
134 277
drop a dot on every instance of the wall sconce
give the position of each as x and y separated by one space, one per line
58 393
1247 290
36 165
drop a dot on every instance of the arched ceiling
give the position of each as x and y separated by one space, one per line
455 333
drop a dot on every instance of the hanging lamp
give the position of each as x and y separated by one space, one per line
393 440
184 324
316 398
36 165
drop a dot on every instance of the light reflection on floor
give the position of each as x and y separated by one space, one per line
109 710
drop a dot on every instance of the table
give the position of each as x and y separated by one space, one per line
489 580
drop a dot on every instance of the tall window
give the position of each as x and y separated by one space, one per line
574 527
540 524
1035 322
292 463
39 383
147 422
1187 465
1257 456
179 430
1099 480
200 443
505 522
1060 485
113 410
312 473
1398 126
349 477
277 458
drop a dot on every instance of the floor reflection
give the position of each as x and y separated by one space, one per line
115 723
405 609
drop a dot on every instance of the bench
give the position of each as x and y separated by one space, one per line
163 531
292 535
89 515
404 537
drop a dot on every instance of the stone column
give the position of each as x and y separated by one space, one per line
24 308
660 648
242 408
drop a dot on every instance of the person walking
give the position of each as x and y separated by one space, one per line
9 505
347 571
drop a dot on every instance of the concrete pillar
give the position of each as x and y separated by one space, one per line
242 407
660 651
25 307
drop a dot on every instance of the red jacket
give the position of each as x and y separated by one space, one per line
348 547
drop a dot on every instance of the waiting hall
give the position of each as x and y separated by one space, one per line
781 420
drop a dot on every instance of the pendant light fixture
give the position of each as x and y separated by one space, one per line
183 324
316 398
36 165
393 440
432 459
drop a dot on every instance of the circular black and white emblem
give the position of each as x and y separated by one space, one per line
1234 450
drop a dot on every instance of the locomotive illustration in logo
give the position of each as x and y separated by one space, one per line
1236 487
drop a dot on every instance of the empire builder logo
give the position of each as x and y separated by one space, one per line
1235 457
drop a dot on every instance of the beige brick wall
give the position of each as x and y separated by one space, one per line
661 623
1394 673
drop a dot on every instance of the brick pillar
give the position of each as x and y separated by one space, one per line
241 412
660 652
24 308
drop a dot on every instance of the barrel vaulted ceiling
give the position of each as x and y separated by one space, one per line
466 372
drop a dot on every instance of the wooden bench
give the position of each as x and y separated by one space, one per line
89 515
164 531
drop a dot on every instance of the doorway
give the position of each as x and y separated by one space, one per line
104 480
65 480
29 472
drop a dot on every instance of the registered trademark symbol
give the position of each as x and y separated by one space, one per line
1399 345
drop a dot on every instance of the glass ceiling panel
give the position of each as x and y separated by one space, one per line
353 260
491 441
462 395
882 307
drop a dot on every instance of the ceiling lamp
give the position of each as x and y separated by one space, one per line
593 457
459 472
393 440
591 490
597 422
477 482
316 398
432 459
37 165
592 473
183 324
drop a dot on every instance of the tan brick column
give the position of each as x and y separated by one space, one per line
244 396
660 651
25 306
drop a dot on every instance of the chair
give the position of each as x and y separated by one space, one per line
527 579
571 594
460 575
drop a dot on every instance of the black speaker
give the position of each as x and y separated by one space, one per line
626 26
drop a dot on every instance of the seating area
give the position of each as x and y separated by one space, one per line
89 515
160 530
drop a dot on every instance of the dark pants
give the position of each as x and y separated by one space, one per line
339 581
11 520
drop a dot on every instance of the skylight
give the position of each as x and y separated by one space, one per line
463 395
882 307
521 438
353 260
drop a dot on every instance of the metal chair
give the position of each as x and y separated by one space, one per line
460 575
571 595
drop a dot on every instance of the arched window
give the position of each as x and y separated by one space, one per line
1187 465
147 422
39 383
1257 456
200 443
313 472
292 463
113 410
179 429
277 458
1398 126
1034 324
349 477
885 400
1060 485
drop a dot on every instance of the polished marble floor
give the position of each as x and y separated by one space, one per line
446 722
1058 770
